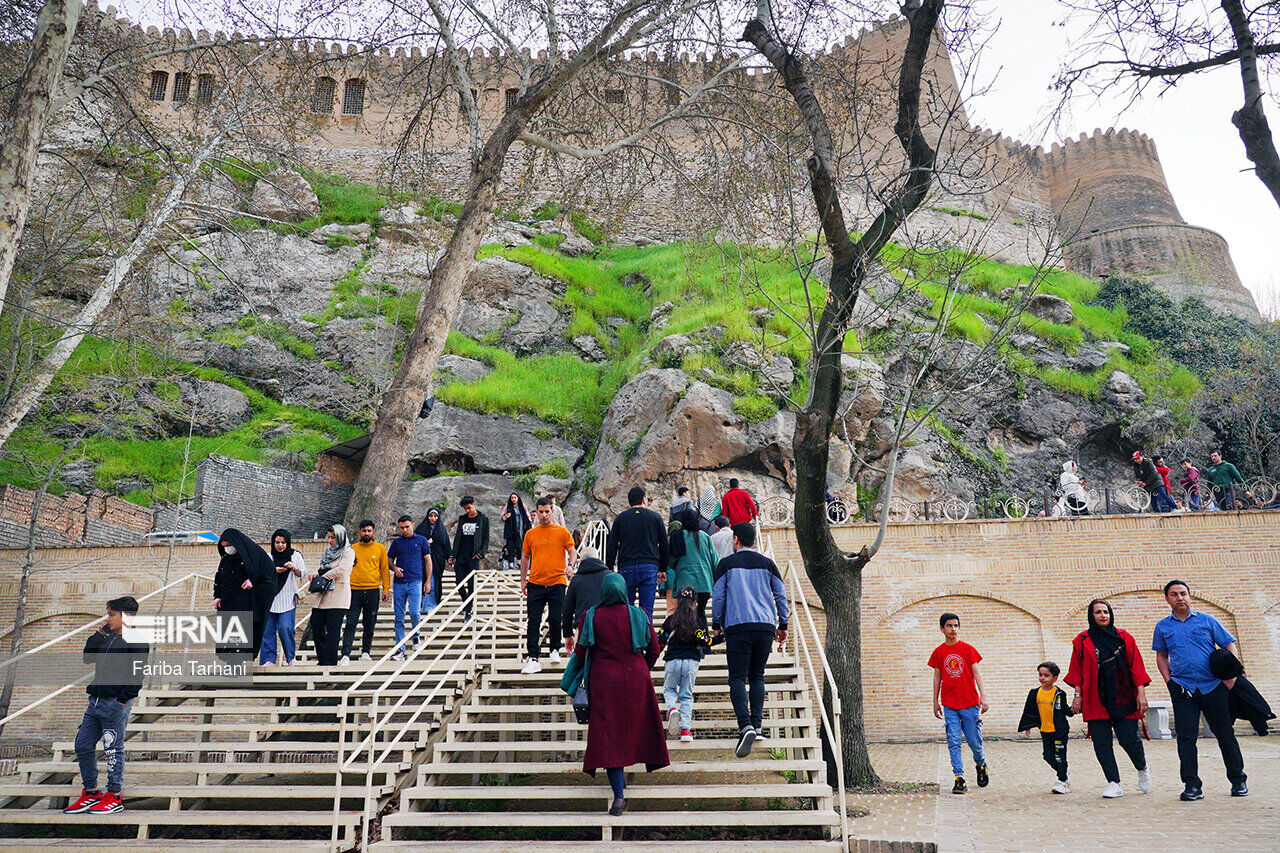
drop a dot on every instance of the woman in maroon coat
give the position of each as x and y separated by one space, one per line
1111 688
625 727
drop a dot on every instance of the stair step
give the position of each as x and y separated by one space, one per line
195 817
238 791
140 767
690 766
637 790
729 846
501 728
778 817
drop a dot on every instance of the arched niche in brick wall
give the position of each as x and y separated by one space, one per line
895 655
38 628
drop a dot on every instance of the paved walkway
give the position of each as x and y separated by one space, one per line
1018 813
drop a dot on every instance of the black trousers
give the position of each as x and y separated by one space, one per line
364 603
326 625
1126 731
748 653
1055 752
463 567
540 598
1187 707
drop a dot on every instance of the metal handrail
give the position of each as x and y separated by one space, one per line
830 716
193 577
473 629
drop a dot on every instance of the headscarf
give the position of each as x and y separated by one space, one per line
436 532
334 551
258 565
517 524
279 558
685 521
613 592
1116 690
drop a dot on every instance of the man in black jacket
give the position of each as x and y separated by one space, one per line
117 678
583 593
470 541
637 546
1144 471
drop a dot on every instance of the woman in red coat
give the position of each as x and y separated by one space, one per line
1111 688
625 727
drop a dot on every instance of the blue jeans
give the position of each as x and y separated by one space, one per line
282 625
405 594
964 724
431 600
677 685
642 583
105 720
1161 501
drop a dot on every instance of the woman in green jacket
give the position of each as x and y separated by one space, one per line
692 559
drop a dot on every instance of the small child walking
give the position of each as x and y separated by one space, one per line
1047 709
685 638
959 699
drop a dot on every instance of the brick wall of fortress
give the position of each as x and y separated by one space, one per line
1020 587
1115 176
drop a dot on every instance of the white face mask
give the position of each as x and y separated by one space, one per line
231 550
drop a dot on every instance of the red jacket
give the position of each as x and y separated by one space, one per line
1083 673
738 506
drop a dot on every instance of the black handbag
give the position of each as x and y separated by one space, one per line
320 584
581 707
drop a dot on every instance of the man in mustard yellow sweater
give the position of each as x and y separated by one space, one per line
371 574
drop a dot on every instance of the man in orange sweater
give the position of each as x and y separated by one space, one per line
371 574
548 552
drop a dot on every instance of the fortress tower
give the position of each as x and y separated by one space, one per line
1116 215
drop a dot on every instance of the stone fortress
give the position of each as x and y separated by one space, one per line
1104 195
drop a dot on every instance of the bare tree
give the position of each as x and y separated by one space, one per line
1133 46
579 40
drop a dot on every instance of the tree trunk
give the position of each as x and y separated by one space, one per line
378 485
844 654
29 113
1250 120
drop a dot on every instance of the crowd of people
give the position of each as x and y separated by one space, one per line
1218 486
1197 658
598 609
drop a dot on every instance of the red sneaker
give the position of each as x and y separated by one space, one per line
87 800
109 804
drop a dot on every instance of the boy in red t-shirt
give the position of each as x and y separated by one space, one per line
959 698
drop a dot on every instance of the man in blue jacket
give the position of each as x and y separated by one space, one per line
749 607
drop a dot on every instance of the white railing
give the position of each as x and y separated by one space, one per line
461 647
808 642
596 535
194 579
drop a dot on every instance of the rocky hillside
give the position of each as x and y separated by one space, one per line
575 364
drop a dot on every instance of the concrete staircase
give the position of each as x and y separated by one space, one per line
475 756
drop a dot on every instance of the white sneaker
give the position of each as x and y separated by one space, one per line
398 656
1144 781
345 661
531 667
366 656
1061 787
673 722
555 656
1112 791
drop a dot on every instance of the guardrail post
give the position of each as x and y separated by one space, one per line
1045 497
926 510
1106 494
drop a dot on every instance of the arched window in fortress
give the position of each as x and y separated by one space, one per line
512 96
353 97
181 87
322 97
159 85
204 89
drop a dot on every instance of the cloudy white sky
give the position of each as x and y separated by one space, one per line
1203 158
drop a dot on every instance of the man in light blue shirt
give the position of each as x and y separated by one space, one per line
1183 641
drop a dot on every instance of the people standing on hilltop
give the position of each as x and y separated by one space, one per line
1184 642
637 545
959 699
617 647
749 608
370 585
691 560
546 555
515 524
1190 483
1110 680
283 611
245 581
1226 481
1144 471
410 558
1073 489
334 575
437 535
470 542
722 539
738 505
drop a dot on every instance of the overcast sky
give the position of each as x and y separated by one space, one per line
1203 158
